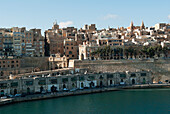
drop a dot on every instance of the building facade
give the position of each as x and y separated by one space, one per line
67 82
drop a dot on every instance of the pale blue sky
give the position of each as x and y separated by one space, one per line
104 13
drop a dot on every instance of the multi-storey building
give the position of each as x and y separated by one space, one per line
19 42
71 49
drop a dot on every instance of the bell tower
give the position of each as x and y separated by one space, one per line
55 25
131 26
142 26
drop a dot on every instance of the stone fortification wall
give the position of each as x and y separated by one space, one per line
35 62
160 68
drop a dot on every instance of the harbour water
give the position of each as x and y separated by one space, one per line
135 101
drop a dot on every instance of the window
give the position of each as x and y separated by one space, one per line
65 80
29 82
143 74
133 75
70 52
14 84
42 82
123 75
53 81
74 79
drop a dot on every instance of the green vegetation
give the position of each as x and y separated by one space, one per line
108 52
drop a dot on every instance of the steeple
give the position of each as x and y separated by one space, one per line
142 25
55 25
131 26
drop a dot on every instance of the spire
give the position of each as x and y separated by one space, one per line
131 25
142 25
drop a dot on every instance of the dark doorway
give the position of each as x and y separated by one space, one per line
73 85
82 57
53 88
111 82
64 86
101 83
15 91
144 80
28 90
2 92
91 84
133 81
41 89
82 85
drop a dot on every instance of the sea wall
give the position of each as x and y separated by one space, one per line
78 92
160 68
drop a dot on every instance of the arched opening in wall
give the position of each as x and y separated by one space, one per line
111 82
15 91
133 81
2 93
64 86
56 67
53 88
101 83
82 56
28 90
60 66
41 89
92 58
144 80
92 84
73 85
64 65
82 85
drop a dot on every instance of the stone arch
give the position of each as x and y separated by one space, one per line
64 65
59 66
144 81
101 83
41 88
73 85
133 81
111 82
82 85
91 84
2 93
15 91
82 56
28 90
53 88
64 86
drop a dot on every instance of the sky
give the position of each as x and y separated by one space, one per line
113 13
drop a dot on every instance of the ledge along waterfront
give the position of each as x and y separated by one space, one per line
79 92
43 85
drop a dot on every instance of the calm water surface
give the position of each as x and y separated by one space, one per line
148 101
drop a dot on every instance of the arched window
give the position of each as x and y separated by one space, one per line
70 52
